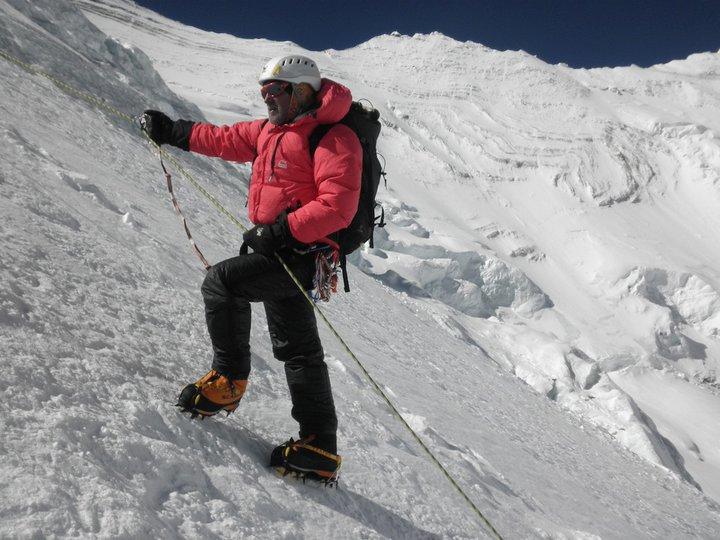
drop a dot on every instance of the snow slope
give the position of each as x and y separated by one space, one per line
564 219
102 324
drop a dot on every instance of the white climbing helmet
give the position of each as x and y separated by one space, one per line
293 68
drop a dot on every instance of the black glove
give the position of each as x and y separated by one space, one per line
267 239
162 130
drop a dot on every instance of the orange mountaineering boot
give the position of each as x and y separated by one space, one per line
211 394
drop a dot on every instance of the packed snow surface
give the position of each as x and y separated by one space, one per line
542 308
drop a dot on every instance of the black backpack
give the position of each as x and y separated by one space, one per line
366 125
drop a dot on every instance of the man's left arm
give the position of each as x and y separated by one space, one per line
338 170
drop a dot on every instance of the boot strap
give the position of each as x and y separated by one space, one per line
323 453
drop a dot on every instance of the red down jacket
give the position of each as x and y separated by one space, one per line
284 174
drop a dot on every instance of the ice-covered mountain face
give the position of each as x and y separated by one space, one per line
564 220
491 264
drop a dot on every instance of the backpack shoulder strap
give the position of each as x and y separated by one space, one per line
316 136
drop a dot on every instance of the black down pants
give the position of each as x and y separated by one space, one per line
228 289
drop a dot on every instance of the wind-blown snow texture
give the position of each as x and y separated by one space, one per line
552 224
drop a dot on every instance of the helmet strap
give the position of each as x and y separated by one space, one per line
294 106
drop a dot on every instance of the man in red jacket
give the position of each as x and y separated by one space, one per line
295 200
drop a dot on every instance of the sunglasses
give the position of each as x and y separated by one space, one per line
273 89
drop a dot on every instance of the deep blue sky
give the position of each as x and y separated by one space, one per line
581 33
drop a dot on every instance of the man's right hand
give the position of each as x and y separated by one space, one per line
162 130
158 126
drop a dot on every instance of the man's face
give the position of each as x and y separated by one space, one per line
276 95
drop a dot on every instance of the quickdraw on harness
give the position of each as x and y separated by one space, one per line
327 264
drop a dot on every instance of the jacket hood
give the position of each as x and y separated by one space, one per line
335 100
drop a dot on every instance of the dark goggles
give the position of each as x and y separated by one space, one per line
274 88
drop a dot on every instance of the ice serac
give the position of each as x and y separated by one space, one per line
102 323
58 39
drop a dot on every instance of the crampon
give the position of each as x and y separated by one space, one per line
301 461
333 481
